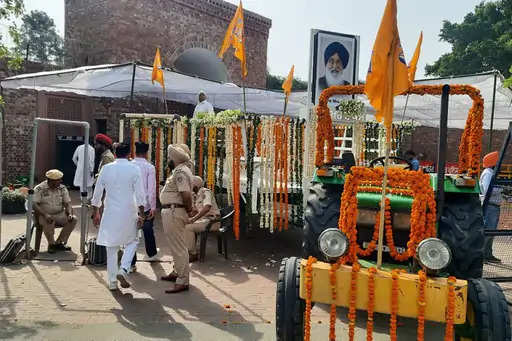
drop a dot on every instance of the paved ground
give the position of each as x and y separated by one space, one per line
53 299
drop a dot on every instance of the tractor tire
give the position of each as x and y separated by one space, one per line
487 318
322 212
461 227
289 306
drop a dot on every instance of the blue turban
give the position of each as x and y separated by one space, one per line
338 48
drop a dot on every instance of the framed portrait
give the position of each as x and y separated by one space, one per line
335 61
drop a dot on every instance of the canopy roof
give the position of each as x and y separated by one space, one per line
116 81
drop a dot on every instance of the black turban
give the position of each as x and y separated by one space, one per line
340 50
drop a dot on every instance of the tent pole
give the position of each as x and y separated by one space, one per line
133 85
492 111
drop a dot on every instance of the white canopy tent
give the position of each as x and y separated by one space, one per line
425 110
118 81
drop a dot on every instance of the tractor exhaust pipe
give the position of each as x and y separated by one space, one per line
441 150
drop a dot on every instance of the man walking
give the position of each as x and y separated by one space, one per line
78 160
492 211
176 199
123 213
148 174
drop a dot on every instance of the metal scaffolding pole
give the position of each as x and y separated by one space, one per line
83 189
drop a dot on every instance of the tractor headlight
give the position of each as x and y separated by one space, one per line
333 243
433 254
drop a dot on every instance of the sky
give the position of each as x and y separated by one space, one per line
292 21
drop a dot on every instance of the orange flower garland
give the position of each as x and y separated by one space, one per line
309 291
258 142
278 143
282 160
395 274
448 334
423 209
285 171
421 305
237 154
470 146
352 303
371 303
332 313
132 142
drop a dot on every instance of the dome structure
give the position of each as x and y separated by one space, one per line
202 63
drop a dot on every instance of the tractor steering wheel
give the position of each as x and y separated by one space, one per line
380 160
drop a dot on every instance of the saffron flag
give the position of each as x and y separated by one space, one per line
388 75
414 61
288 83
235 37
158 73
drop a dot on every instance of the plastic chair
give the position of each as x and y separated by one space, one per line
226 224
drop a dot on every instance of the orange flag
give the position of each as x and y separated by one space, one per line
288 83
235 37
158 73
414 61
388 75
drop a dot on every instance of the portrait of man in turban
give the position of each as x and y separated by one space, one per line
336 59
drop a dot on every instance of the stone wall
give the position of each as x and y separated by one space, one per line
118 31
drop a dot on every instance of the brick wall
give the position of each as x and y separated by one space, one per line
118 31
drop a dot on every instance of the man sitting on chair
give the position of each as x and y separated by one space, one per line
206 209
52 205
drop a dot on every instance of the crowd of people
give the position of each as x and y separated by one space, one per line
123 197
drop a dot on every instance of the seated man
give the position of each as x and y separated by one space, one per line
206 210
52 205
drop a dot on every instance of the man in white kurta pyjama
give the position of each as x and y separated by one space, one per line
123 211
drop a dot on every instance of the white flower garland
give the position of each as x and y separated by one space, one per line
271 182
263 172
193 136
229 163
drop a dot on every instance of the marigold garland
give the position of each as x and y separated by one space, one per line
132 142
371 303
423 209
286 162
237 154
352 301
277 146
450 313
470 146
332 313
395 274
422 303
309 292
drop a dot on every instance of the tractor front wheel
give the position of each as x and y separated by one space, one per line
289 306
487 316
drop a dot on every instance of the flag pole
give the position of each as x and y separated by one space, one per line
164 99
386 159
285 105
243 93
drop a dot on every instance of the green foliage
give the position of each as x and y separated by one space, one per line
508 82
482 42
13 201
351 110
9 11
276 82
38 34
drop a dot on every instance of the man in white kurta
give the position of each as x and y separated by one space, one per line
78 160
123 213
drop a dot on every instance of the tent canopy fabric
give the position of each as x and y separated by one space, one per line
115 81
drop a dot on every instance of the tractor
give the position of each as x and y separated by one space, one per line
452 249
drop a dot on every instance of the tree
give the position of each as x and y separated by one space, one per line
40 39
9 11
482 42
275 83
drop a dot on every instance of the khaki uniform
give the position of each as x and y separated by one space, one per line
52 202
106 157
175 219
204 197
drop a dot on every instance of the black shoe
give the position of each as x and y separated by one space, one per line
492 259
62 247
52 248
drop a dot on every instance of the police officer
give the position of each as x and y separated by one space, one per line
176 200
52 205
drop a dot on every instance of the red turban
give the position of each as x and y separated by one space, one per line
490 160
103 139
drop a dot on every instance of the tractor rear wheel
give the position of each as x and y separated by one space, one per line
487 316
322 212
461 227
289 306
